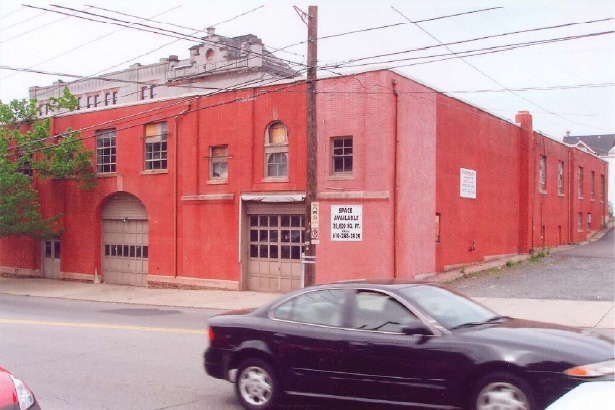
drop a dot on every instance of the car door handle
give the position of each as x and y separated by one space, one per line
279 337
360 345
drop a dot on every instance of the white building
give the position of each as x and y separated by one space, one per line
218 63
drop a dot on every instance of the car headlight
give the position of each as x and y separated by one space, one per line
24 395
592 370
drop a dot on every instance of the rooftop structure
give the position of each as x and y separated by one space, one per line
217 63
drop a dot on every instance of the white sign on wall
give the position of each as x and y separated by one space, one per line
467 182
346 222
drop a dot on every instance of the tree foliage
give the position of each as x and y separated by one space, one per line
28 151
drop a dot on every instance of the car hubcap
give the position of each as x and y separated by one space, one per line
501 396
255 386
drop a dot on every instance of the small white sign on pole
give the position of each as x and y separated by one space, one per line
347 222
467 182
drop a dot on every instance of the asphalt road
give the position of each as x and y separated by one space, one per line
582 273
103 356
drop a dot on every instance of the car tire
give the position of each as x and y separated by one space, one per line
257 385
503 390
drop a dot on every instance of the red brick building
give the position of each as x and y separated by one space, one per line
209 190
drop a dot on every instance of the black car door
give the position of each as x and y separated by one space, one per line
386 364
308 341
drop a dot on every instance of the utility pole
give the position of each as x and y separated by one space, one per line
311 212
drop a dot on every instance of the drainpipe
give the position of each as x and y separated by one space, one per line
395 179
175 195
570 179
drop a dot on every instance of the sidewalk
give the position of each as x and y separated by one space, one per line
587 314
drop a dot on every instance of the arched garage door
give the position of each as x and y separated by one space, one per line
124 241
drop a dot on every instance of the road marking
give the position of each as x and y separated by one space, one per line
100 326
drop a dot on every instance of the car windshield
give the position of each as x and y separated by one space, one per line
450 309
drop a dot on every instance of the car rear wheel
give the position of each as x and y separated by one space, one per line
257 385
503 391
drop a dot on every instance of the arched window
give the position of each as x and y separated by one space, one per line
276 151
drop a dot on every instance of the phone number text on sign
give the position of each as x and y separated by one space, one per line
346 222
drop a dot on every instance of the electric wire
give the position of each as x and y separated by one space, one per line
479 51
478 39
391 25
491 78
82 44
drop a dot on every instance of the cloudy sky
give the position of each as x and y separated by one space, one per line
564 76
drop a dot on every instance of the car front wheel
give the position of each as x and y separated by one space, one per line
257 385
503 391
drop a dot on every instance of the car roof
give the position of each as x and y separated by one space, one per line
377 283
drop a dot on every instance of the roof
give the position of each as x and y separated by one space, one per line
600 144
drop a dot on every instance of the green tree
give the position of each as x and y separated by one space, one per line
27 151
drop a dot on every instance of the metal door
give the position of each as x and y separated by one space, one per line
51 259
275 247
125 252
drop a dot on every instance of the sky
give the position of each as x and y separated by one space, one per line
567 85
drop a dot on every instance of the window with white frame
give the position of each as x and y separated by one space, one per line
560 179
218 162
592 186
105 151
341 155
543 174
156 146
276 151
580 179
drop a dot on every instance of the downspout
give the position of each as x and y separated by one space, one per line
570 179
395 180
175 194
533 190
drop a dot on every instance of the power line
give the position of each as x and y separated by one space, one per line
489 77
156 30
387 26
478 39
149 113
479 51
33 30
21 22
122 119
12 12
152 29
541 88
82 44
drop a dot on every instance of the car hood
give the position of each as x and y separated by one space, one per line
573 345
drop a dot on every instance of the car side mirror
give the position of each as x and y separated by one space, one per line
416 328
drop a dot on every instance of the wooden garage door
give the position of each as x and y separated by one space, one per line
275 246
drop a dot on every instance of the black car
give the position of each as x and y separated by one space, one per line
397 342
